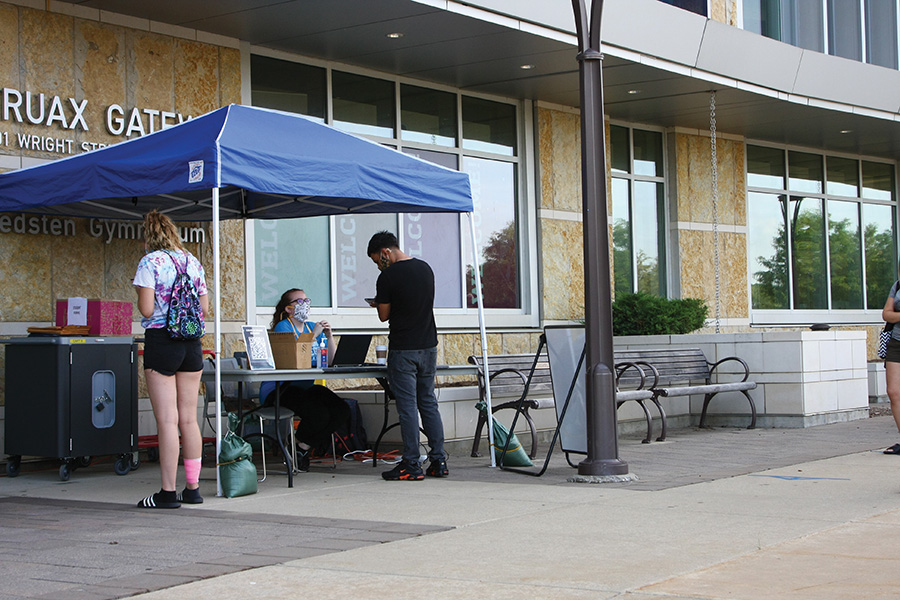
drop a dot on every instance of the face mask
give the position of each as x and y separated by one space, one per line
301 311
383 263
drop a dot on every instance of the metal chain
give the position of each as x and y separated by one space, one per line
715 200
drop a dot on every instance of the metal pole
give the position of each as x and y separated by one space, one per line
483 331
602 442
217 278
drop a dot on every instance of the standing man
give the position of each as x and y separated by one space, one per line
404 294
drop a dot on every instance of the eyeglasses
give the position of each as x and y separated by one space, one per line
301 301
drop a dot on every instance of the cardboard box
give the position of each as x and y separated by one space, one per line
291 352
104 317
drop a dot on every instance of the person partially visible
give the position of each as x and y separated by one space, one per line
320 410
172 368
405 297
891 314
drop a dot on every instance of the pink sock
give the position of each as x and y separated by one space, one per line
192 470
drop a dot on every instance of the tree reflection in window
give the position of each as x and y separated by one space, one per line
861 241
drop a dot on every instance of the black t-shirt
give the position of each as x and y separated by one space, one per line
408 286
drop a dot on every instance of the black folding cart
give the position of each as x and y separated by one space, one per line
71 398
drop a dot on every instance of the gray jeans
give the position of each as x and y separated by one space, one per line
411 377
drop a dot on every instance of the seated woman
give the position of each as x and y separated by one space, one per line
320 410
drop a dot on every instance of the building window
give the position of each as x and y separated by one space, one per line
695 6
326 255
638 210
841 26
820 231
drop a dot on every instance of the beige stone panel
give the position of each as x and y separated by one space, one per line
494 344
231 252
694 174
229 76
150 71
196 77
9 46
520 343
233 275
717 10
25 272
560 156
120 261
733 276
545 156
46 50
697 269
873 336
563 269
566 162
76 267
694 178
456 348
101 58
728 177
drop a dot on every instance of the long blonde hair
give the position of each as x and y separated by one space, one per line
160 232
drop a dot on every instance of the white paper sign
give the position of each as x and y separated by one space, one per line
77 311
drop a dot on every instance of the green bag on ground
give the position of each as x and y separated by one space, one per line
236 469
515 455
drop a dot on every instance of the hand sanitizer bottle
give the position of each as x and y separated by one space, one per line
323 355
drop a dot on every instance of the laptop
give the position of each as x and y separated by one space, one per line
351 352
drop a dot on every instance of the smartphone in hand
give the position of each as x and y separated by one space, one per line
370 301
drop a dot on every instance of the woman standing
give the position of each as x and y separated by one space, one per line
891 314
172 368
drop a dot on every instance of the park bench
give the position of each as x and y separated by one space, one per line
686 372
511 385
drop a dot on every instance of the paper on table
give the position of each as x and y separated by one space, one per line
77 311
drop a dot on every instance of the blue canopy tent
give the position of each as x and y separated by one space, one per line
240 162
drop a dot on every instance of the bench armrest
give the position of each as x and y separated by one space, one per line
713 366
641 367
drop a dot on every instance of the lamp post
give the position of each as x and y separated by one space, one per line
602 459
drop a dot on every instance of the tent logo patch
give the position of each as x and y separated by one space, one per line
195 171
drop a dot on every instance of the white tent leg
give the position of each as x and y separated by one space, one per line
484 348
217 286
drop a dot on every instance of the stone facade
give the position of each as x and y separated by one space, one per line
98 63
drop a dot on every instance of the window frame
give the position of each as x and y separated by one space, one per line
463 318
662 217
827 25
802 317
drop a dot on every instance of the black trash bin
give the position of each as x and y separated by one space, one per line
71 398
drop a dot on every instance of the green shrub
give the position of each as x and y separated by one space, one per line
646 314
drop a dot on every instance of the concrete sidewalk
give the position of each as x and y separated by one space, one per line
724 513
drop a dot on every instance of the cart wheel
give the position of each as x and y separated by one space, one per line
12 465
135 461
84 461
122 465
153 454
64 472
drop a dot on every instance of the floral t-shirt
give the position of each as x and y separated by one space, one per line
157 271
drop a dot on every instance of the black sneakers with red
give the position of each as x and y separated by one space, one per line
437 468
404 472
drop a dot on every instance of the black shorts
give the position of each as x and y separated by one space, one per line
167 356
893 351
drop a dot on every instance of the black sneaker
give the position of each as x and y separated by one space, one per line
437 468
303 460
405 472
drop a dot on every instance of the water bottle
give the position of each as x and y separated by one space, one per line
323 355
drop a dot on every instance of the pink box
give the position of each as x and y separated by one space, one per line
104 317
